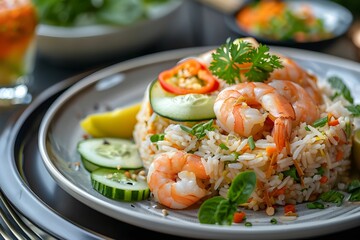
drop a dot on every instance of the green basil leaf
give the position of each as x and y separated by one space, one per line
208 210
225 213
242 187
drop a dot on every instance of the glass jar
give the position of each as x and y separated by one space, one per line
18 21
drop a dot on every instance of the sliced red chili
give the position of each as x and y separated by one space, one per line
189 76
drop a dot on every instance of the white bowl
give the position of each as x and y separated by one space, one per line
96 43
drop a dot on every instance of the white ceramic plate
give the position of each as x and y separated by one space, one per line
125 83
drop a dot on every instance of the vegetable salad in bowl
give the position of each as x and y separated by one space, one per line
238 127
92 32
277 20
302 23
87 12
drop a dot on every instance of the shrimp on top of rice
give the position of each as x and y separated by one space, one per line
242 108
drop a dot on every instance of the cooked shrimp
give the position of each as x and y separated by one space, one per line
175 179
293 72
244 108
305 108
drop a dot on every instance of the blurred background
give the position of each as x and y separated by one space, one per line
74 36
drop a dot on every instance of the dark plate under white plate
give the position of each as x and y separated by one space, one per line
125 83
33 192
337 20
40 198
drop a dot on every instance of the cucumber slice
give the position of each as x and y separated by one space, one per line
114 184
188 107
109 153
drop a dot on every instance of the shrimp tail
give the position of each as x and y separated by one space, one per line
281 133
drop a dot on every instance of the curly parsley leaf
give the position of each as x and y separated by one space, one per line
232 58
262 64
226 59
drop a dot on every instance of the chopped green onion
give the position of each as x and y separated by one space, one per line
315 205
251 142
320 170
292 173
333 197
347 129
248 224
273 221
236 155
355 195
199 130
354 190
223 146
354 185
320 122
157 137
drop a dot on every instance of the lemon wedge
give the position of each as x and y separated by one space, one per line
117 123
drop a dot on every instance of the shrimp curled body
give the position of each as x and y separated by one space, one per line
175 179
243 109
293 72
305 108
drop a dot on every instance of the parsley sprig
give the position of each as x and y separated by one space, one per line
233 56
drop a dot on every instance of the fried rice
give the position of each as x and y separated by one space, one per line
318 159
